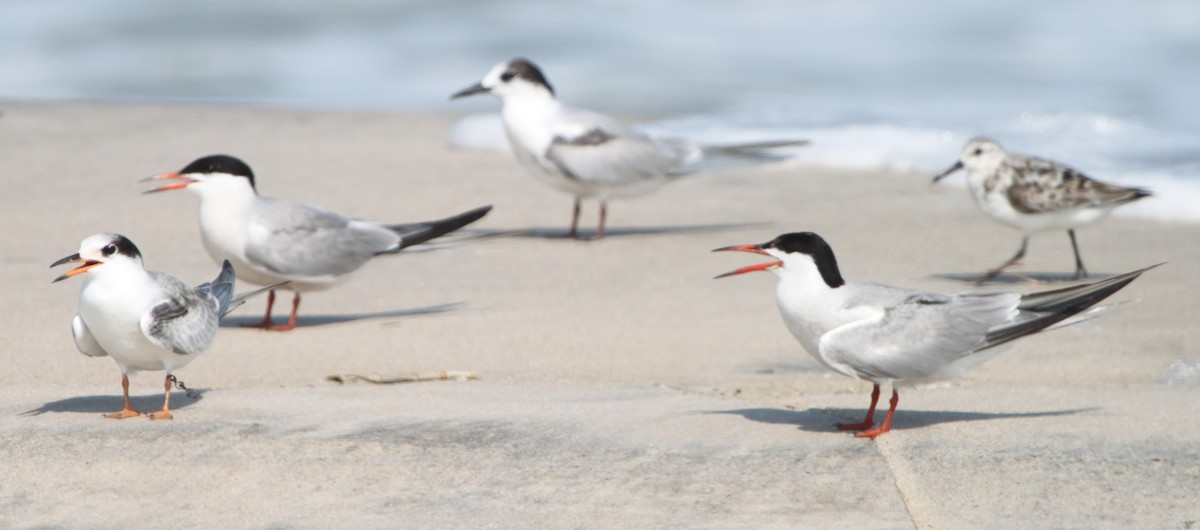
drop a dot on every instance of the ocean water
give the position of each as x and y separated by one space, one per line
1107 86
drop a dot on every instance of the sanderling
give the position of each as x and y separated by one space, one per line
1035 195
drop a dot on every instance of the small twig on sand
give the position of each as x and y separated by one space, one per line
444 375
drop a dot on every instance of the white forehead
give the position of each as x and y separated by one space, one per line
493 76
986 145
95 242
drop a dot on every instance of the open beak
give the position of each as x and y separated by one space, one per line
87 266
477 88
180 182
753 249
957 166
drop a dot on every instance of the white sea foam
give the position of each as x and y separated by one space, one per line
1108 86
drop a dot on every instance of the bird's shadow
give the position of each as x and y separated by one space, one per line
303 320
633 231
112 403
826 419
1016 278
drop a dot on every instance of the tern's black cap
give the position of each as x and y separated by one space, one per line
812 245
229 165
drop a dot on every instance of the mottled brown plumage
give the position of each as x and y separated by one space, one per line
1035 195
1039 186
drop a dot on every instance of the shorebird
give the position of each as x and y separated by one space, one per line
591 155
144 320
896 336
270 240
1035 195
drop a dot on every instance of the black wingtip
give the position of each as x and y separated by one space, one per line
421 232
1060 304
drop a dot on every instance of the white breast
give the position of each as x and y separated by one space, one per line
224 230
113 312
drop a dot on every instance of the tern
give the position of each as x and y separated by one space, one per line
896 336
144 320
270 240
1035 195
591 155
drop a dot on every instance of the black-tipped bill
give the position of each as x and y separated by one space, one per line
477 88
753 249
87 265
957 166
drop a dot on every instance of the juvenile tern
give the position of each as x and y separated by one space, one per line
270 240
591 155
144 320
887 334
1035 195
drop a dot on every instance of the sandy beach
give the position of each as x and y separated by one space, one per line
619 385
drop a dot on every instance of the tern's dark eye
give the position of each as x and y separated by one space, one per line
507 76
978 151
109 250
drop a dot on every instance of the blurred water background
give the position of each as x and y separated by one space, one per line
1108 86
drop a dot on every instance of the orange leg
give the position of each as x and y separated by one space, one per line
266 321
887 422
291 323
165 413
867 423
128 411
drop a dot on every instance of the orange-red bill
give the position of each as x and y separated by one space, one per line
751 268
743 248
181 182
754 249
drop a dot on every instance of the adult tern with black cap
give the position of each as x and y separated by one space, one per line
270 240
896 336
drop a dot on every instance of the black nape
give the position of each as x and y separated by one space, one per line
528 71
815 246
123 246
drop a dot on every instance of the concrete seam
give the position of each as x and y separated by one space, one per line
902 476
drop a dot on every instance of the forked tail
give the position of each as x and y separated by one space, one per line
221 289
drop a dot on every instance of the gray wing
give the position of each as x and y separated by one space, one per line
919 334
1041 185
185 321
594 148
300 242
84 340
